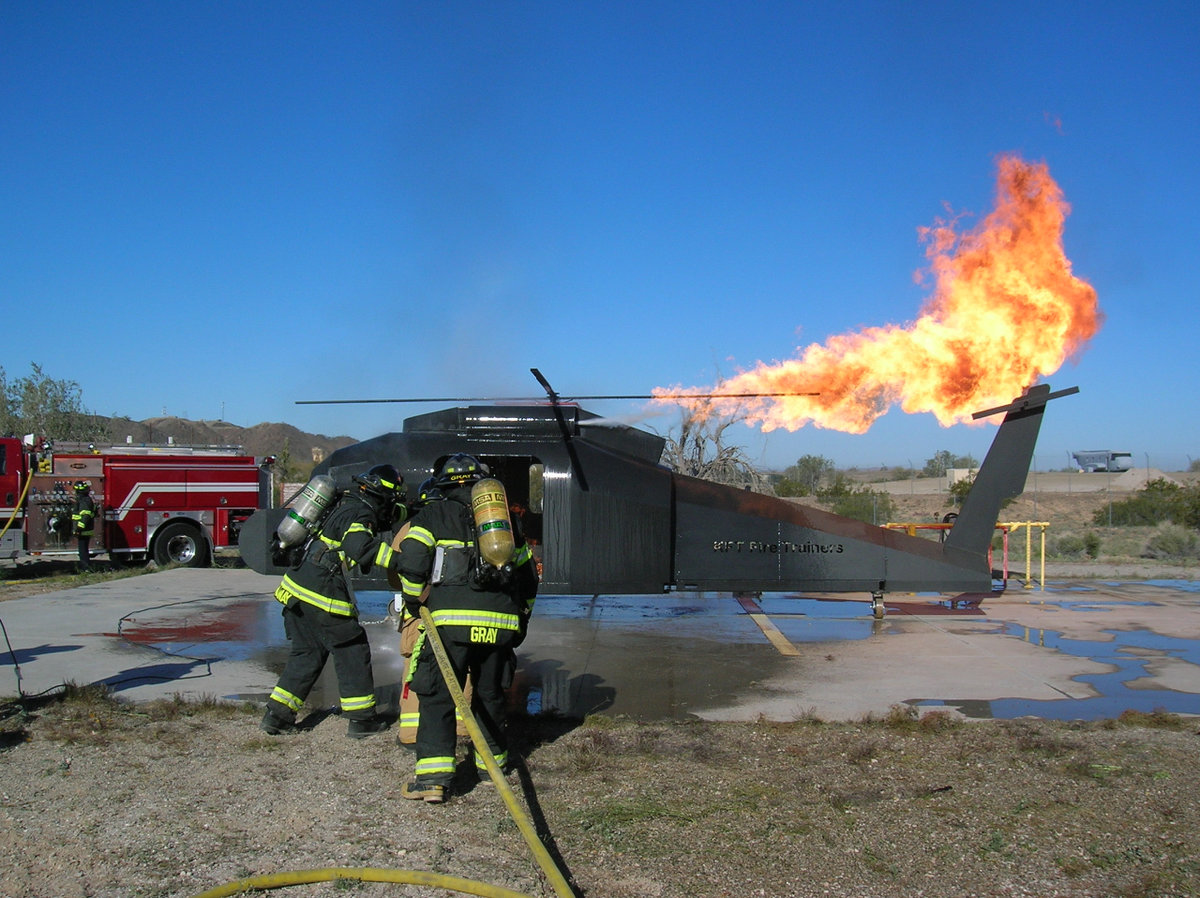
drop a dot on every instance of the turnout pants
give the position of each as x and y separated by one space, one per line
410 704
314 635
487 664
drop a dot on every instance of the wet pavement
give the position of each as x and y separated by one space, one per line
1077 650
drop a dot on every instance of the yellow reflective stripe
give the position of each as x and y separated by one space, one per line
423 536
454 543
357 702
466 617
286 699
384 556
522 555
339 607
501 760
412 661
357 527
410 718
432 766
411 588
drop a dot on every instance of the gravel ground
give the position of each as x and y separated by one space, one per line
101 799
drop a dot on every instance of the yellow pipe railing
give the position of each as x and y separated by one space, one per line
911 528
1028 526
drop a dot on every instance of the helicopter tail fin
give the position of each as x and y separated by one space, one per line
1003 472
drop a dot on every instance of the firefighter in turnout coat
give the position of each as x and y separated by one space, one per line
405 617
82 522
319 614
480 620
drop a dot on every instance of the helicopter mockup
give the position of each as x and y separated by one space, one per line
604 517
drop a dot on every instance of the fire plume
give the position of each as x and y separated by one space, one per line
1005 311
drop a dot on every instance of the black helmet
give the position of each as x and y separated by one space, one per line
81 485
460 469
382 482
428 491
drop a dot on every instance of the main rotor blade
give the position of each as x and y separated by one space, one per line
560 398
576 465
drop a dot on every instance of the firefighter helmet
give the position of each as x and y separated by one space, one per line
460 469
382 482
81 485
428 491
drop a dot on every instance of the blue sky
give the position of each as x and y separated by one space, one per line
219 209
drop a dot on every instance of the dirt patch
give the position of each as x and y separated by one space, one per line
104 799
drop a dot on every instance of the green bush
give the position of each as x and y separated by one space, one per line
1066 545
1171 541
1158 502
863 504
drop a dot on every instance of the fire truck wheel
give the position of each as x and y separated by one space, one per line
181 544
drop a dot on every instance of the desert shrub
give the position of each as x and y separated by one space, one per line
1065 545
805 477
862 504
1171 541
1159 501
1072 545
1189 506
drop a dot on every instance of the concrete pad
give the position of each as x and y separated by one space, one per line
80 636
1085 650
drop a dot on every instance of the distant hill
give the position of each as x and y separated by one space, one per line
261 439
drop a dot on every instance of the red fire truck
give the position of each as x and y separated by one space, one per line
172 504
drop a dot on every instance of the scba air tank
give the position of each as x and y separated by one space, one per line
493 529
306 510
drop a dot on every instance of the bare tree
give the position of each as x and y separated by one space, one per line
699 450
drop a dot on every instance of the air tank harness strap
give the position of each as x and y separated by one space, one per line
328 554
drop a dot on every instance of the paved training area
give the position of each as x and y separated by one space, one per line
1079 649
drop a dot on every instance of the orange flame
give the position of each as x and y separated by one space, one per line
1005 311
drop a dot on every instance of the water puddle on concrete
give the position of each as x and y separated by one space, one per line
668 655
208 629
1136 656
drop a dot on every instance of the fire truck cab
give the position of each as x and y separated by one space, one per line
171 504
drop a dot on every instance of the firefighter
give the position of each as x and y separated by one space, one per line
82 519
408 624
480 621
319 614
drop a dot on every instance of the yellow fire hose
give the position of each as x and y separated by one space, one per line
362 874
417 877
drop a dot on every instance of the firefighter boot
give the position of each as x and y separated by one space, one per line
274 725
366 726
431 793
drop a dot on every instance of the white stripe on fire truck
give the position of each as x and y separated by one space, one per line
136 493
